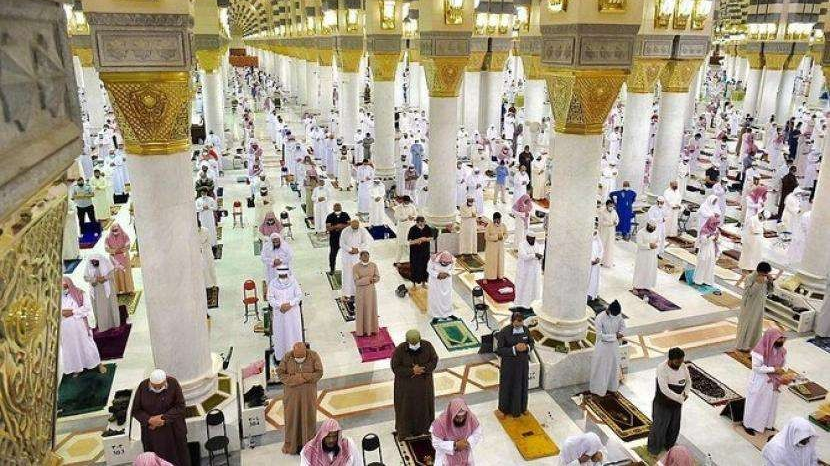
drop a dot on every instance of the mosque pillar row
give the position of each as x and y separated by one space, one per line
384 66
774 64
581 100
535 92
93 93
786 91
152 108
675 79
816 76
491 83
312 73
213 98
443 76
472 91
326 79
349 60
755 64
302 78
639 103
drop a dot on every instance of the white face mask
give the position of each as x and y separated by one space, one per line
415 347
158 390
299 360
364 262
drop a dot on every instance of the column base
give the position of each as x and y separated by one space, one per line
198 390
812 286
439 221
385 174
564 369
565 331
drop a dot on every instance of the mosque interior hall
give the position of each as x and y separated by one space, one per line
414 232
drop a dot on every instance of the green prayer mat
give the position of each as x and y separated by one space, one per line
130 301
455 335
335 280
471 262
86 393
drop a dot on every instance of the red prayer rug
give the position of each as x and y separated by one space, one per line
492 288
375 347
111 343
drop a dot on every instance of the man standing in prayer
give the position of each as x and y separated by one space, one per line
364 174
117 245
608 220
366 298
605 362
159 407
102 195
581 450
529 272
352 240
405 214
378 193
673 384
208 264
751 316
494 236
789 183
82 195
99 274
520 182
284 297
624 202
514 346
420 239
206 212
321 196
335 223
708 252
78 349
439 298
674 203
593 274
795 445
657 214
274 255
645 264
468 239
330 447
299 372
455 433
537 184
765 381
413 363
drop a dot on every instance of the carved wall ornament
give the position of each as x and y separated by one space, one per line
582 98
532 65
153 110
754 59
778 61
644 75
384 66
444 75
677 75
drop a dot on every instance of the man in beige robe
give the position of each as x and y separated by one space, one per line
365 298
468 239
299 372
494 235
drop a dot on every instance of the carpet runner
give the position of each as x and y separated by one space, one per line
129 301
375 347
471 262
492 288
821 342
655 300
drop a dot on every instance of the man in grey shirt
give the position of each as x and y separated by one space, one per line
367 146
81 193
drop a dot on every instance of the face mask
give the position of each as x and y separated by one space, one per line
299 360
66 291
364 262
157 390
415 347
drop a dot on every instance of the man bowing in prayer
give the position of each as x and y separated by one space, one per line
439 297
352 240
159 407
624 202
278 254
605 362
455 433
581 450
284 297
299 372
514 345
529 272
330 447
413 362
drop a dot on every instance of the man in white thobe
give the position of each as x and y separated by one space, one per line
605 362
214 140
352 240
460 185
596 258
475 188
608 220
439 297
321 196
205 210
674 203
277 254
537 168
645 264
468 238
377 193
529 272
102 195
364 175
520 181
657 214
119 172
405 214
285 296
78 350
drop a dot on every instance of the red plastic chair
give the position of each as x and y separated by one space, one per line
250 298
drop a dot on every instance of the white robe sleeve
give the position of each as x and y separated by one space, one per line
445 447
476 437
758 364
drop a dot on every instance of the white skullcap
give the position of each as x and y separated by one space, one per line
158 376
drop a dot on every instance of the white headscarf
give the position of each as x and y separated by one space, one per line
104 268
578 445
784 449
709 207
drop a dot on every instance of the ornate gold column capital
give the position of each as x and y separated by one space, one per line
644 75
754 59
444 75
476 62
325 57
84 55
495 61
210 59
826 71
349 59
153 110
414 55
776 61
677 75
582 98
532 65
384 65
311 55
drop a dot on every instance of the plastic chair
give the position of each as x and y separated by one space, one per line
250 299
371 442
216 443
237 213
480 308
285 220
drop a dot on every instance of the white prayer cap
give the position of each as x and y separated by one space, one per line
157 376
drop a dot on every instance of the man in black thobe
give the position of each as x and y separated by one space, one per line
420 238
413 363
672 390
335 223
525 159
514 345
159 407
788 184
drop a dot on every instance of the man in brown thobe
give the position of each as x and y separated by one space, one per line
159 408
365 297
299 372
413 363
494 235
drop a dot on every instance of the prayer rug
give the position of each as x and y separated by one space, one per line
471 262
691 337
770 234
735 237
405 270
318 241
758 440
667 266
346 309
728 263
708 388
217 253
120 198
725 299
69 265
492 288
821 420
218 232
455 335
86 393
530 439
619 414
90 233
733 253
335 280
648 458
655 300
111 343
380 232
681 242
135 261
744 358
212 297
416 451
375 347
598 305
809 391
821 342
543 203
688 278
419 297
129 301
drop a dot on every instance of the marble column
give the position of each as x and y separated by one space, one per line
349 92
214 102
414 84
471 94
535 90
786 95
815 263
94 98
491 90
446 74
744 65
384 66
79 71
325 82
816 85
162 193
753 84
675 80
774 65
312 76
637 117
583 102
302 81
